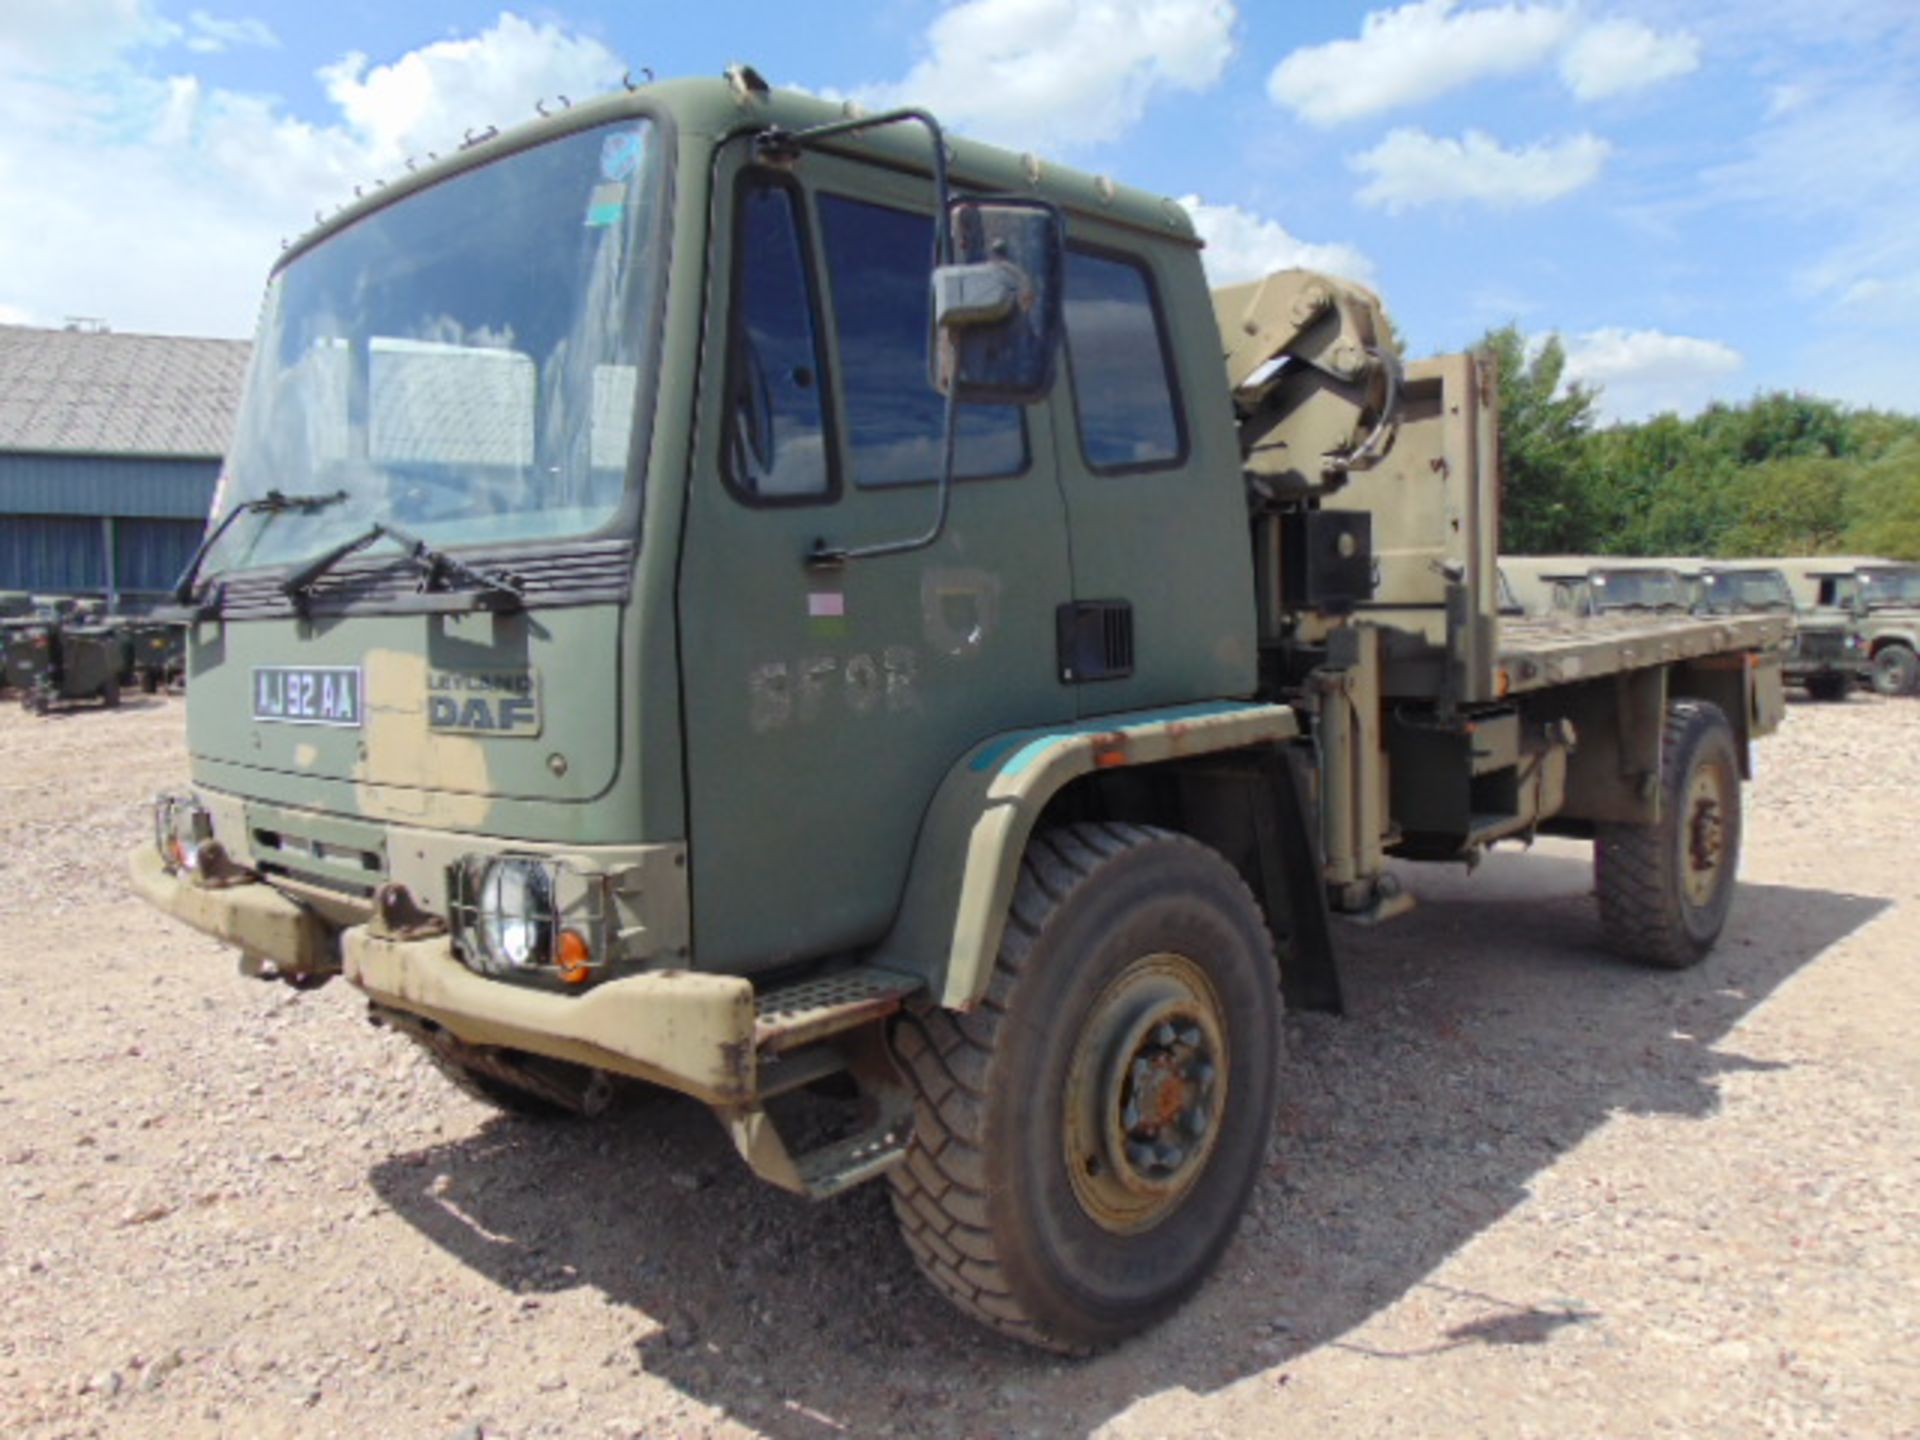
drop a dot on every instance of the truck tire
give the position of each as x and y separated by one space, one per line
110 692
1896 670
1087 1137
1665 888
1828 687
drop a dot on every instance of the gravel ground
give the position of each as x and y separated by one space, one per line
1522 1189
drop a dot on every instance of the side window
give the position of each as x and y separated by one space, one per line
877 269
1122 390
776 448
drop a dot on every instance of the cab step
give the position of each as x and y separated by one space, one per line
821 1005
806 1031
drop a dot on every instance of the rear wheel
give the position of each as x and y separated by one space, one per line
1896 670
1828 687
1665 888
1086 1139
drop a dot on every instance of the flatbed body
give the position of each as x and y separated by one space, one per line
1539 651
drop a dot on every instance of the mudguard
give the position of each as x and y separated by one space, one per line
967 857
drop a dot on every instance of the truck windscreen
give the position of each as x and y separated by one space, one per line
1727 592
1894 588
468 362
1638 590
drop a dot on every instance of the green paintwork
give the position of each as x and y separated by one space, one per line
967 860
800 822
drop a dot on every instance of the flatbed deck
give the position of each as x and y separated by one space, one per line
1538 651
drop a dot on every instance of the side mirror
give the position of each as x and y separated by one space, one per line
998 312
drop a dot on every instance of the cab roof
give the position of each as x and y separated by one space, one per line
741 103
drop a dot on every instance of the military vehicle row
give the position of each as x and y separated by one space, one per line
59 650
1857 619
996 731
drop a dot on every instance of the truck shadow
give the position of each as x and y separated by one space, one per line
1488 1036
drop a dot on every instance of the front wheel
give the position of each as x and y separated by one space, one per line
1896 671
1665 888
1086 1139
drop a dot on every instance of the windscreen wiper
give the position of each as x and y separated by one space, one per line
271 503
496 591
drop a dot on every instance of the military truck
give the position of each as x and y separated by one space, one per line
156 652
1826 655
64 651
1884 601
1589 585
718 589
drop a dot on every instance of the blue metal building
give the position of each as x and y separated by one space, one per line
110 446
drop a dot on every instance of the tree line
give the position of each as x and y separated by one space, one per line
1781 474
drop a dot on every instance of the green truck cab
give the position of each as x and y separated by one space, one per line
686 605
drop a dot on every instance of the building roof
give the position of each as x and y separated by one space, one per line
98 393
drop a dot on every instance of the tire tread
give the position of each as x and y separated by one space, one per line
1634 874
940 1194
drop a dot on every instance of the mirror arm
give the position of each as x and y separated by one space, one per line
785 146
825 556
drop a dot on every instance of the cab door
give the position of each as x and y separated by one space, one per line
1150 467
824 706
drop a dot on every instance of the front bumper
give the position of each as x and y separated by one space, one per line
1798 670
677 1028
256 919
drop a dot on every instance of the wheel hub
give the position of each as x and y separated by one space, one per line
1705 836
1145 1093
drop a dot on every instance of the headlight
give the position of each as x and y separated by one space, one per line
515 914
181 825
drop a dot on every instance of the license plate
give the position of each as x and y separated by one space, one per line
307 694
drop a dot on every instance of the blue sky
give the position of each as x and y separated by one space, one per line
1703 199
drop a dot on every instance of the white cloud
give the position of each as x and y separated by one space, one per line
160 203
1616 56
1058 74
76 35
1244 246
1415 53
1643 372
1411 168
1426 49
209 34
431 96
